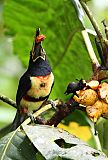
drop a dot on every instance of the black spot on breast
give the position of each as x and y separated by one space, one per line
42 85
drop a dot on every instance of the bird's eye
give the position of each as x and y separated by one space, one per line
42 85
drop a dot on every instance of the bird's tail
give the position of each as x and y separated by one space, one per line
19 118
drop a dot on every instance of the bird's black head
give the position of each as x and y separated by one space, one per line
75 86
38 63
37 50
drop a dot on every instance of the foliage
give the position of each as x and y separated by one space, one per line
62 23
64 44
55 143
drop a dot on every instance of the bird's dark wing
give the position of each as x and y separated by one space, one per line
52 87
24 86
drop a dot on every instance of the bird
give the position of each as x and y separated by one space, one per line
36 84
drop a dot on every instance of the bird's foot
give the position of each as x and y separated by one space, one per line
30 115
52 103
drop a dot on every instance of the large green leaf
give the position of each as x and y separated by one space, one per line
16 145
45 142
57 142
102 128
60 21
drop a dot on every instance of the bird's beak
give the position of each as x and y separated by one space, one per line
41 54
37 50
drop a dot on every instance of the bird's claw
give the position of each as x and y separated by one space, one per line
30 115
52 103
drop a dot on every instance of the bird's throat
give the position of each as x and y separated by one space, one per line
41 86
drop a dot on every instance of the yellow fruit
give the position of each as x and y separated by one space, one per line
93 84
100 108
103 91
94 112
86 97
104 109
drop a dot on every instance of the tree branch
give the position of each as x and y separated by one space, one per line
90 50
92 19
62 111
103 41
8 101
41 110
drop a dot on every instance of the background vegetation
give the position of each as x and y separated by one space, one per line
64 46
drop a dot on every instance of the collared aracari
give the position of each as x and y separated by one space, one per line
36 83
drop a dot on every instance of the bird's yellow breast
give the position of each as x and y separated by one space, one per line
40 87
31 106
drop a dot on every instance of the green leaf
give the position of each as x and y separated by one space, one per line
64 43
16 145
53 142
75 64
102 128
61 22
5 130
58 20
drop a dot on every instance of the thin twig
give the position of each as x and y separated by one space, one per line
36 114
103 41
92 19
8 101
96 137
40 111
63 110
90 48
